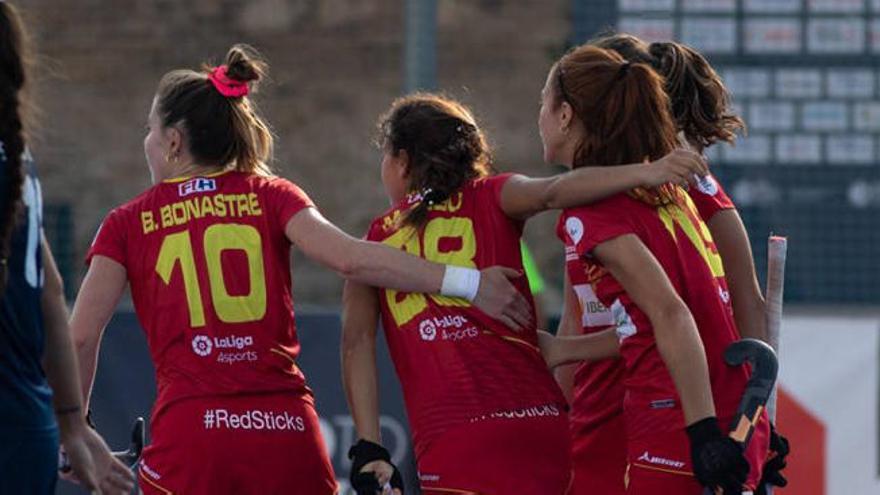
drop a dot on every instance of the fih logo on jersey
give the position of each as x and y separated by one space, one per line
202 345
197 185
575 229
428 330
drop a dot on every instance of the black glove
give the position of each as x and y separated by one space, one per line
779 450
718 460
363 453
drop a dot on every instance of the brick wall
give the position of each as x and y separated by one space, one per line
335 66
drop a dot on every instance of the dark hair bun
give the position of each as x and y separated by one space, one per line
244 63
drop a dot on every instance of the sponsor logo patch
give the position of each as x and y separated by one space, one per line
427 330
663 404
202 345
449 327
651 459
575 229
707 185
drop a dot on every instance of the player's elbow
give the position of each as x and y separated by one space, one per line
53 286
350 262
670 316
354 342
81 341
353 265
552 199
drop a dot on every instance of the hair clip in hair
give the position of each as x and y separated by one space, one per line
227 87
426 196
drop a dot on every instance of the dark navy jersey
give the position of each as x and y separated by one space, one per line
25 397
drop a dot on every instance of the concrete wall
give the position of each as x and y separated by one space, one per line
336 65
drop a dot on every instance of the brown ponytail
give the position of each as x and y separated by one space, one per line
12 80
699 100
622 106
222 131
445 147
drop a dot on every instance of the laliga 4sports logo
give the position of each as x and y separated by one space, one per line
203 345
448 327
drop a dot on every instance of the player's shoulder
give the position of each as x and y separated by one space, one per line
617 204
388 222
137 203
706 185
488 182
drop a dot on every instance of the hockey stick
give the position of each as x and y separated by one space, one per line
758 389
777 248
776 251
128 457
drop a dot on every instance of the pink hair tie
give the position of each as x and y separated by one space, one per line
227 87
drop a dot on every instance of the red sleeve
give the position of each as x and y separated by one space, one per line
373 232
560 225
110 239
495 183
709 197
287 199
589 226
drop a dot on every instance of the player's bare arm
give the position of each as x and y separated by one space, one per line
569 324
732 242
522 197
678 340
360 319
382 266
100 291
566 350
90 458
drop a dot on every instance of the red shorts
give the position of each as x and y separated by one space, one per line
661 464
252 444
598 458
500 456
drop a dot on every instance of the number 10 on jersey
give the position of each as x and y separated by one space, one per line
177 249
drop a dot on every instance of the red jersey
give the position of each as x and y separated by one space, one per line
598 386
709 197
208 263
681 243
457 365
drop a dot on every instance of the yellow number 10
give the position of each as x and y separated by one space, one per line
218 238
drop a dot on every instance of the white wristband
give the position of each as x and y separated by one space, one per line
460 282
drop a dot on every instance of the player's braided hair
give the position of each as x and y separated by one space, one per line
699 100
222 130
445 147
12 80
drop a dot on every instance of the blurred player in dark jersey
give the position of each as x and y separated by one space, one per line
35 345
486 415
644 265
206 253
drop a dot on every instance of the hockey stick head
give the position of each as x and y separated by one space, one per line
765 367
131 456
